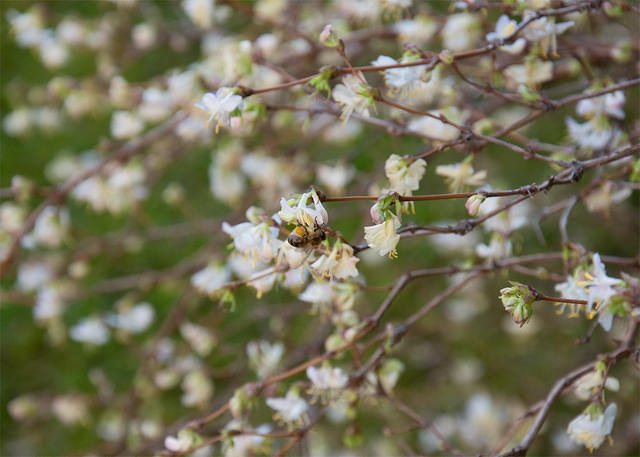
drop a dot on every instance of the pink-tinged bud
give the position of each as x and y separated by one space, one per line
376 217
473 204
328 38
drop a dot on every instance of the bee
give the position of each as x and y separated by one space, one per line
302 237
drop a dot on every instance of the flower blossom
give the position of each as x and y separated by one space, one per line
339 263
290 409
382 237
592 382
91 330
600 290
264 357
200 12
461 174
133 320
210 279
327 383
404 175
402 79
254 242
544 31
504 29
303 214
609 104
592 427
461 32
351 95
220 106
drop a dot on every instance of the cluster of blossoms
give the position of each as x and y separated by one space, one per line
222 111
593 426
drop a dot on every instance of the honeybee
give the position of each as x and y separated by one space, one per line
302 237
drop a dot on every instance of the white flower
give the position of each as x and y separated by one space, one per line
226 185
349 95
254 242
53 51
401 79
461 32
133 320
144 35
220 105
383 238
52 226
200 12
590 430
156 105
70 409
317 293
125 125
592 382
327 378
594 134
264 357
335 178
33 275
90 330
340 263
18 121
607 195
197 389
27 27
609 104
49 302
459 175
182 443
294 257
244 445
11 217
498 248
417 31
572 288
532 73
302 214
198 337
600 290
294 279
483 420
504 29
71 32
210 279
290 409
404 175
507 221
544 31
436 129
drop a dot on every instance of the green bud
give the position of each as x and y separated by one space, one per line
517 300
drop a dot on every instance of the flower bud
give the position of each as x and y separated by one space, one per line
328 37
517 300
473 204
376 216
